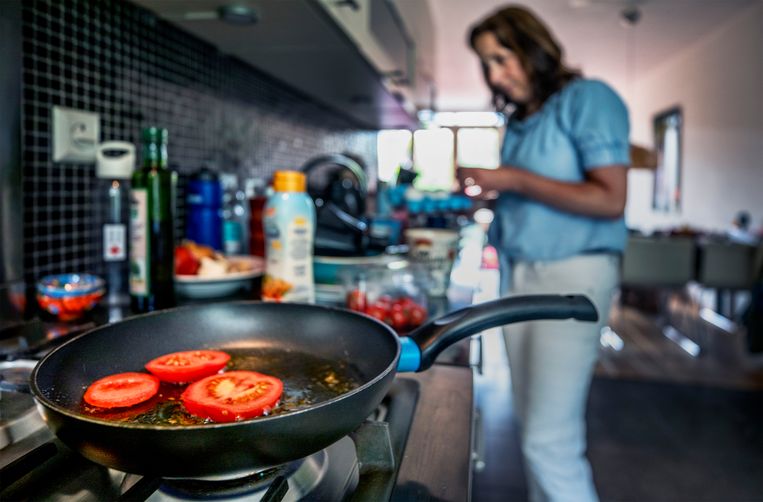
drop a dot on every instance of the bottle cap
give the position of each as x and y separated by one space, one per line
155 135
289 181
254 187
114 160
204 173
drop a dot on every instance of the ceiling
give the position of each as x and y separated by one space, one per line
594 39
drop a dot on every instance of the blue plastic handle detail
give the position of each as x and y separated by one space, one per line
410 355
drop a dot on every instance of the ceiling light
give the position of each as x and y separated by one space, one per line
238 14
234 13
630 16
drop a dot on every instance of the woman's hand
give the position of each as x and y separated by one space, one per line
485 183
601 194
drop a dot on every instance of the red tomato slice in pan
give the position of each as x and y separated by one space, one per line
182 367
121 390
231 396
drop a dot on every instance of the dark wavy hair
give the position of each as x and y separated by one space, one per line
521 31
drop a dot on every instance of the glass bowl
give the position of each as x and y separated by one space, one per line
396 296
69 296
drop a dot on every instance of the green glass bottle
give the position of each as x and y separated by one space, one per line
152 243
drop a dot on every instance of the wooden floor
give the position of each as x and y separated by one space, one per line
663 424
648 354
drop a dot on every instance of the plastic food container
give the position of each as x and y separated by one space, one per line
334 269
69 296
435 248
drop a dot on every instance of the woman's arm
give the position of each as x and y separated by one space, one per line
601 195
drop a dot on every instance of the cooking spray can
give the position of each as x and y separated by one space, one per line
289 225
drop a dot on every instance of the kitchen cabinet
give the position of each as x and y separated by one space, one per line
304 44
420 26
375 28
397 38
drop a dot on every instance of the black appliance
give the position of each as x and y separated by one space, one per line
339 187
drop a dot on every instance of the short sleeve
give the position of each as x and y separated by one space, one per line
598 124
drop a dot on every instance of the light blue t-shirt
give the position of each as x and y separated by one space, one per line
579 128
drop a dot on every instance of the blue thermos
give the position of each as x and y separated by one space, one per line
204 202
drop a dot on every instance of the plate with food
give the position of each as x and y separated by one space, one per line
202 272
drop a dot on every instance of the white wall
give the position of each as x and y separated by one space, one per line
718 82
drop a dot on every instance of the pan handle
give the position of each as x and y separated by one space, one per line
422 346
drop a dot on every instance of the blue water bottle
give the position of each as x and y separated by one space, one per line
204 202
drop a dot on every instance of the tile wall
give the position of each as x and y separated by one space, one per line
133 69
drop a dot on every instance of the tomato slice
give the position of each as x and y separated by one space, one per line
189 366
121 390
231 396
185 262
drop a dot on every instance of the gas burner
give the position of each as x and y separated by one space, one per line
18 416
330 474
245 486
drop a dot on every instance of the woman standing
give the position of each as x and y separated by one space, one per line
558 228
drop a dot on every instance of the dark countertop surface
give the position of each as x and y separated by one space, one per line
437 462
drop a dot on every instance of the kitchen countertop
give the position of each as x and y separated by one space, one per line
437 462
44 330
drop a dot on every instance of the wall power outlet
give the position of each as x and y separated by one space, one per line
75 135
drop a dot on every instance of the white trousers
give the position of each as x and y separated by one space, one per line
551 367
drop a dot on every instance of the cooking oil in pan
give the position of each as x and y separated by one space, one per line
307 380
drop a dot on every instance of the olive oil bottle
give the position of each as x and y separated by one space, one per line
152 242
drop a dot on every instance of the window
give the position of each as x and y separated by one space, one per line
478 147
433 155
394 149
454 138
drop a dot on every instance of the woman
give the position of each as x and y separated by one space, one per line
558 228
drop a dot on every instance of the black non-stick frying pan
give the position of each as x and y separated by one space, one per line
59 380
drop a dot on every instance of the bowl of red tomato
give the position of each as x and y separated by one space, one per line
393 296
69 296
401 312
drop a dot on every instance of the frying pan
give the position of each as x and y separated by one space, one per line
59 380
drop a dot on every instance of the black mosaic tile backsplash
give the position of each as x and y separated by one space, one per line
135 70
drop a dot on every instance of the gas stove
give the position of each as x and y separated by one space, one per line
34 465
406 449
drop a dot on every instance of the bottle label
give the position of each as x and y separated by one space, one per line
288 252
139 245
114 242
